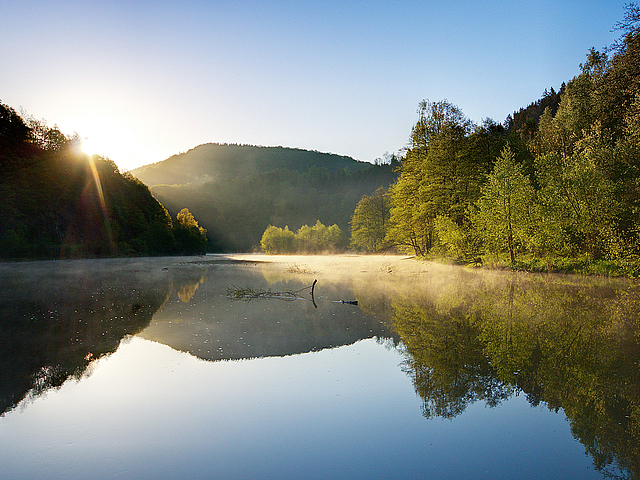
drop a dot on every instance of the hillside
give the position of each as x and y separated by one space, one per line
237 211
58 202
237 191
218 162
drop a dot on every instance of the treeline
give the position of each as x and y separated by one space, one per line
220 162
564 185
58 202
307 240
236 210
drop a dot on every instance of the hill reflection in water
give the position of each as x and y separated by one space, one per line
463 338
207 324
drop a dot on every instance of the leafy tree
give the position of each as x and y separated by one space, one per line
186 219
441 174
370 221
315 239
577 195
629 26
277 240
427 179
190 237
438 120
503 218
334 238
454 240
13 130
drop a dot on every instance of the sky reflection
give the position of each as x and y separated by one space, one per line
346 397
148 411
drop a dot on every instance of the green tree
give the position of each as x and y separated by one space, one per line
438 120
454 240
370 221
190 237
441 174
428 178
318 238
334 238
315 239
503 218
186 219
276 240
410 219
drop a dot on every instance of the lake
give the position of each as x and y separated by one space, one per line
314 367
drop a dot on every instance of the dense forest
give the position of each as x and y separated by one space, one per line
58 202
556 186
237 191
220 162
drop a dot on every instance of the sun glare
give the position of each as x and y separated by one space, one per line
110 139
88 146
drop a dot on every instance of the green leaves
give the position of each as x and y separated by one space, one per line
315 239
503 218
370 221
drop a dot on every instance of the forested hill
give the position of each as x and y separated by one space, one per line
526 119
58 202
237 191
213 161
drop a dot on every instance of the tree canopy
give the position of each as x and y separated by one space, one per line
558 180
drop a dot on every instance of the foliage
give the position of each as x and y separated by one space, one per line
503 218
59 202
277 240
370 221
525 120
315 239
441 175
455 241
190 237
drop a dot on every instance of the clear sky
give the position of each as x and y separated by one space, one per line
143 80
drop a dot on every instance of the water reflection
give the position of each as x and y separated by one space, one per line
570 344
212 327
56 318
566 343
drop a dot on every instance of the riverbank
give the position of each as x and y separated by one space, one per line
585 265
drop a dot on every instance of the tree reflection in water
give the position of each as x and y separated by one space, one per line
57 318
569 344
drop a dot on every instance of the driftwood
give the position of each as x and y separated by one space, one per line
249 293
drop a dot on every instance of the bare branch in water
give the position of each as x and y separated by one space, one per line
249 293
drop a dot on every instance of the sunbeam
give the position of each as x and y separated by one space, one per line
103 205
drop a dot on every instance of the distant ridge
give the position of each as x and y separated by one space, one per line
237 191
218 162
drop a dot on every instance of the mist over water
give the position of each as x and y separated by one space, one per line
148 368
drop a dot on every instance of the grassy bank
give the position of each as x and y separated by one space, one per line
584 265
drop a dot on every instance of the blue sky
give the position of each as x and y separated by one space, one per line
145 80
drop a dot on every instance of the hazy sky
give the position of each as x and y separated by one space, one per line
144 80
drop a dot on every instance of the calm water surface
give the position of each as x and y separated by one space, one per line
153 368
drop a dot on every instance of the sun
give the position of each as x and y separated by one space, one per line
89 146
112 140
